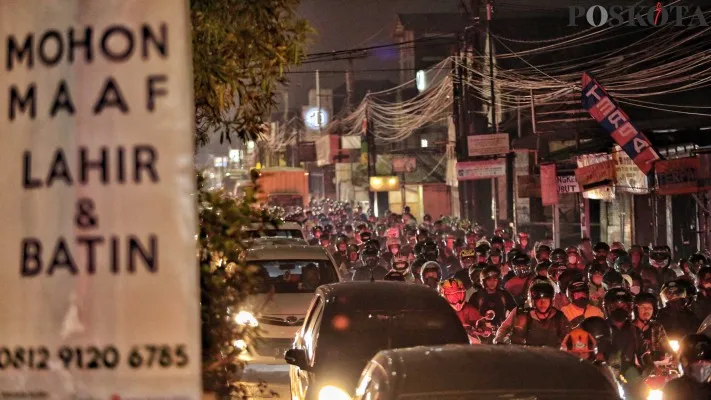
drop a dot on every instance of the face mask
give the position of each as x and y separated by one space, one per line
635 290
581 302
700 371
619 315
572 260
431 282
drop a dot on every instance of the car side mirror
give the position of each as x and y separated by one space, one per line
297 357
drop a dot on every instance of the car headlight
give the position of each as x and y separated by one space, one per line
674 344
246 318
332 393
655 394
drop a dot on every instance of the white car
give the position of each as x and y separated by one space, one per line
287 229
291 275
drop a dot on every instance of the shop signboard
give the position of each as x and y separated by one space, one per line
473 170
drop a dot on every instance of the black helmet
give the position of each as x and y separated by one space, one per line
372 244
558 255
695 347
482 249
511 254
430 250
521 265
697 261
567 277
577 285
422 234
365 236
601 246
543 248
394 275
623 264
673 290
660 257
615 297
540 290
648 298
613 279
597 327
490 271
475 272
341 239
497 240
596 268
369 256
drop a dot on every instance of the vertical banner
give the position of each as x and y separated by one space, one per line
100 293
608 114
549 185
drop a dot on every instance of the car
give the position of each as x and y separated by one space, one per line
348 323
275 240
287 229
483 372
279 308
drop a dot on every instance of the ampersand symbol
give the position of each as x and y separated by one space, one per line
85 217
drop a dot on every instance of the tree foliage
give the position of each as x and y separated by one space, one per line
241 49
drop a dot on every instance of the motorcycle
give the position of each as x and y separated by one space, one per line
483 330
665 371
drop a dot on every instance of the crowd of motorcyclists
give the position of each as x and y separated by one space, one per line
634 311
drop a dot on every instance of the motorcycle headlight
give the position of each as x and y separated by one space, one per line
332 393
246 318
655 394
674 344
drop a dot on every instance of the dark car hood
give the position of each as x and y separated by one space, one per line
342 373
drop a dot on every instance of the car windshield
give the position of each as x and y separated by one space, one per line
368 332
284 233
294 276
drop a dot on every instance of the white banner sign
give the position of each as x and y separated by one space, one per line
567 184
488 145
470 170
100 294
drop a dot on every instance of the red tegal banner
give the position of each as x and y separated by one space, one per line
549 185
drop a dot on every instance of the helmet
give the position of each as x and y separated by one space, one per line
431 266
495 252
617 298
430 251
579 342
623 264
612 279
394 275
697 261
475 271
511 254
392 242
454 292
673 290
372 244
542 248
576 286
559 255
694 348
369 256
490 271
614 254
567 277
422 234
597 327
636 249
617 246
596 269
540 290
571 249
556 270
601 247
646 298
467 253
365 236
521 264
659 257
400 263
482 249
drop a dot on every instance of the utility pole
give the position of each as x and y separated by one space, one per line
370 143
350 83
318 100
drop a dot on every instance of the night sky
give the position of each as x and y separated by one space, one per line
349 24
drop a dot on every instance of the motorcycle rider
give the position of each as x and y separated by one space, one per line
431 274
627 346
676 316
596 290
370 268
491 297
695 364
579 307
401 265
654 336
453 291
518 285
574 261
428 251
702 305
540 325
